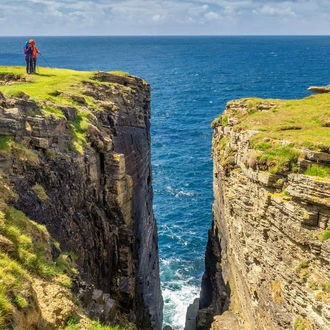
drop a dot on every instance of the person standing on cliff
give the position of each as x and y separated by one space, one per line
35 51
28 56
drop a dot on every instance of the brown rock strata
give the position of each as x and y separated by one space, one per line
266 266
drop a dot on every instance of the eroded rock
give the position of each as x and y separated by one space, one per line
264 251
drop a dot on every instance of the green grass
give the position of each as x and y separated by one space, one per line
280 158
98 326
326 287
325 235
303 122
216 122
29 255
30 240
54 87
120 73
318 170
44 85
5 142
5 304
263 146
275 157
9 147
72 320
15 284
224 120
40 192
20 302
303 264
51 111
302 324
78 131
73 324
303 270
23 154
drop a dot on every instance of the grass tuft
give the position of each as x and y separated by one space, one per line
73 324
318 170
325 235
276 157
120 73
5 142
78 131
40 191
52 111
302 324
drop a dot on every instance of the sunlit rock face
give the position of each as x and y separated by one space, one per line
267 259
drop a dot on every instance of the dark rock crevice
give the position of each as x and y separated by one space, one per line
215 293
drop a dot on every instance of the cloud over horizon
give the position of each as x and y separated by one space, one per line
163 17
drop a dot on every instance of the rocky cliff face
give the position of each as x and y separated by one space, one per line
267 259
96 202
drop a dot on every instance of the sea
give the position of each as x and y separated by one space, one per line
192 78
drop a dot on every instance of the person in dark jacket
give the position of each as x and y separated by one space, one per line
28 57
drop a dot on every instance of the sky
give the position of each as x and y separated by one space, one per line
164 17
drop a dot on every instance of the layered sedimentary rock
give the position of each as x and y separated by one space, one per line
267 259
98 202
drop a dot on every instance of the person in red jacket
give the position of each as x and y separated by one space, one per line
35 51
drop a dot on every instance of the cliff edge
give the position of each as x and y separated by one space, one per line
268 253
75 151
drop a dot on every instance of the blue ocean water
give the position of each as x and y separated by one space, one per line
192 78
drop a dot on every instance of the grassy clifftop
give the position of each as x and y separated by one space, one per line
53 85
283 130
54 89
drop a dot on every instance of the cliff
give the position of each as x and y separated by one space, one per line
75 150
268 253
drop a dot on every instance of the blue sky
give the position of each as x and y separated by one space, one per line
164 17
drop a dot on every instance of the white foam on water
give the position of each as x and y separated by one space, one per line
176 302
179 192
179 290
184 192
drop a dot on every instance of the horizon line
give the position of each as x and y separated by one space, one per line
174 35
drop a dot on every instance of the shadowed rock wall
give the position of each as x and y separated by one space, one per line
99 202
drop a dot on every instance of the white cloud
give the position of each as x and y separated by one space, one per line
212 16
156 17
275 11
115 17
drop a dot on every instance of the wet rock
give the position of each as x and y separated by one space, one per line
192 315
